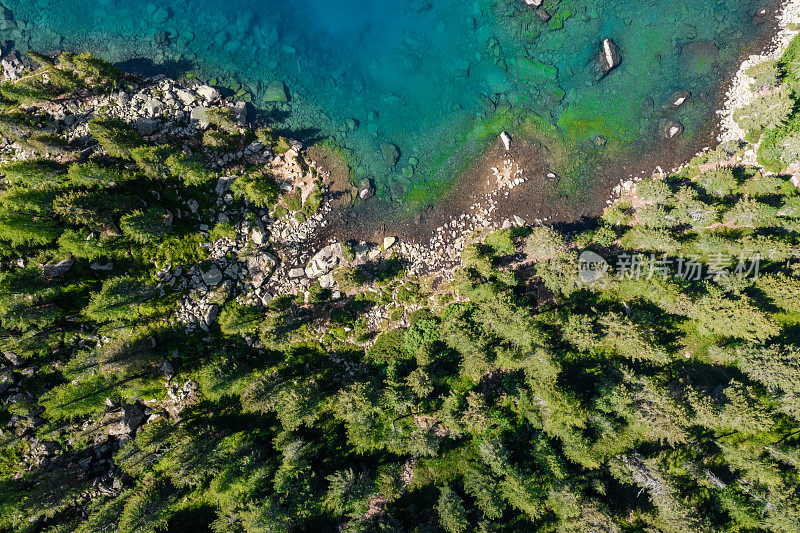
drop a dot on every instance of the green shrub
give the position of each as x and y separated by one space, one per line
48 145
790 149
294 201
119 300
91 174
180 250
219 140
765 112
790 63
790 208
771 151
223 118
452 515
93 72
22 228
16 123
82 244
719 182
617 214
604 236
188 171
763 186
281 145
690 211
316 294
260 190
654 240
750 213
783 291
766 75
312 204
29 91
223 230
92 209
501 242
145 226
350 279
544 243
388 347
34 173
653 191
266 136
239 319
348 251
654 216
152 160
116 137
422 332
23 200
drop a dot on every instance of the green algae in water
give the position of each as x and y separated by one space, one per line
437 78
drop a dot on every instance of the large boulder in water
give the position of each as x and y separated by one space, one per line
276 92
678 98
607 59
670 129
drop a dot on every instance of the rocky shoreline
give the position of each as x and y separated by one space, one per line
287 256
736 96
739 93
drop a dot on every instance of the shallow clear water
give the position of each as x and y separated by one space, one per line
437 78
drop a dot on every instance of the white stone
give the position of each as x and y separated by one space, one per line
208 93
257 236
388 242
506 140
154 106
326 281
186 97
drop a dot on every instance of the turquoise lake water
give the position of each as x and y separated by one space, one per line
439 79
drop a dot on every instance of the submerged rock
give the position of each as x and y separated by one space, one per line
543 15
678 98
699 57
391 153
276 92
670 129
